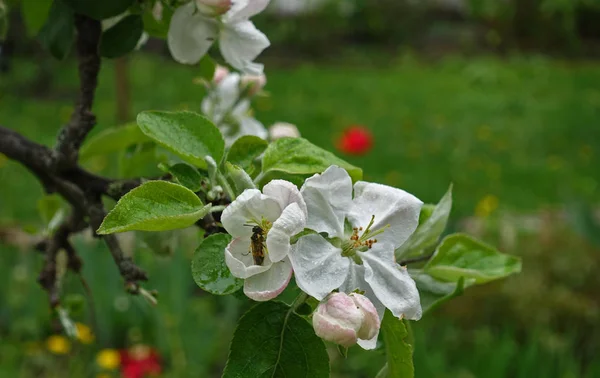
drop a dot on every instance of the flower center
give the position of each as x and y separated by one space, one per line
361 240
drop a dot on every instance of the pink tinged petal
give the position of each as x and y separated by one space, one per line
190 34
355 280
240 44
371 321
291 222
239 260
285 193
319 266
244 9
371 343
329 330
250 205
338 319
390 206
268 285
393 286
328 197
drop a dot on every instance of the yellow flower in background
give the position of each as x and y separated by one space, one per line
108 359
84 333
486 206
58 344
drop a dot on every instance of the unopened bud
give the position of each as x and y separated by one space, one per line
253 83
283 130
220 74
213 8
343 319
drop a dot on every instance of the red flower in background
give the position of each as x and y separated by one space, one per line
140 361
356 140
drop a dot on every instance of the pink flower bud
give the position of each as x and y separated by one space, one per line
283 130
220 74
213 8
371 322
343 319
253 83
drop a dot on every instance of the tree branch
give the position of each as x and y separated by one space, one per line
82 120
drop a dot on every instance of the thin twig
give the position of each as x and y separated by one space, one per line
82 120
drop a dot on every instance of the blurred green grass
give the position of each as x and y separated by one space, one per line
522 130
525 129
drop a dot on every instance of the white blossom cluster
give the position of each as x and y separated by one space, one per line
336 238
333 237
228 106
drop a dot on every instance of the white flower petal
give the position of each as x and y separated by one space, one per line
291 222
319 266
355 280
251 126
244 9
285 193
251 205
190 35
239 259
390 206
393 286
240 44
372 342
328 197
268 285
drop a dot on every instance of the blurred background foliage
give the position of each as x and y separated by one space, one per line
502 98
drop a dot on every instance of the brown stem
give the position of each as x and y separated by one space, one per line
82 120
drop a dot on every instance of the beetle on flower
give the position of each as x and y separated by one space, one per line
358 254
280 212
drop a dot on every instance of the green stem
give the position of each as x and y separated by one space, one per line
225 185
259 178
300 299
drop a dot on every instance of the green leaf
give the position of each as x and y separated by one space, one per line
35 13
154 206
272 341
187 134
112 140
431 226
433 292
245 149
157 28
122 38
186 175
399 353
459 255
209 269
99 9
58 32
207 68
300 157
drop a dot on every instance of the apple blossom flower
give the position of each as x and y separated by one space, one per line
280 213
363 233
192 32
229 111
343 319
280 130
356 140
